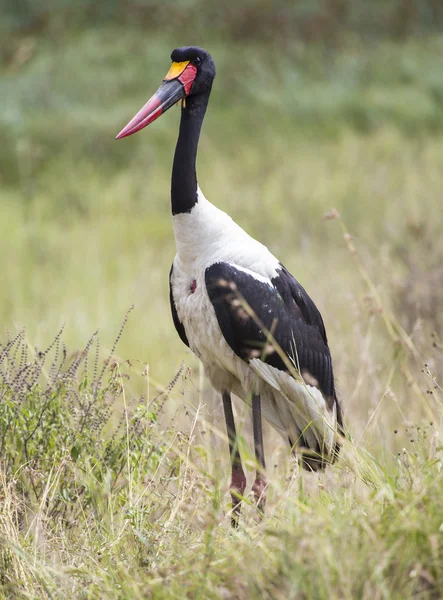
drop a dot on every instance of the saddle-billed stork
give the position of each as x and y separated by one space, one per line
255 329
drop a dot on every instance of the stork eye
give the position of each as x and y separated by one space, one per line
197 61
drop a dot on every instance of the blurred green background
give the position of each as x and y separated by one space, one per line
316 104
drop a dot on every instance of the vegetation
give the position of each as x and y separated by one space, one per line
115 485
97 505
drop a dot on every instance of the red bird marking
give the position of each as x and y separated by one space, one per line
193 286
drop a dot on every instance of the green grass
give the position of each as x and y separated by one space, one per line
85 233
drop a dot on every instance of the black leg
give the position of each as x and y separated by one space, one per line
238 479
259 487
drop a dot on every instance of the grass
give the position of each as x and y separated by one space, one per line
134 502
98 505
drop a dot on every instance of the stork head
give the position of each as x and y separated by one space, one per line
191 74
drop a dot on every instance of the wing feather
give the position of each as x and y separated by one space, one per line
281 306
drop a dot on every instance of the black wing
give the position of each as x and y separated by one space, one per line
284 308
178 324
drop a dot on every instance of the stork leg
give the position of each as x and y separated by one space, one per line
259 487
238 478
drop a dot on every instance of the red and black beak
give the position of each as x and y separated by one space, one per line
176 86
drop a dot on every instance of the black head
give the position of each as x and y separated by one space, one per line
204 63
191 74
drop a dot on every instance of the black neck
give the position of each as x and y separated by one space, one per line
184 176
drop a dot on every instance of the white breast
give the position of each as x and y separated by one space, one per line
207 235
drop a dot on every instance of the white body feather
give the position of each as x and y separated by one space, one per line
206 236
